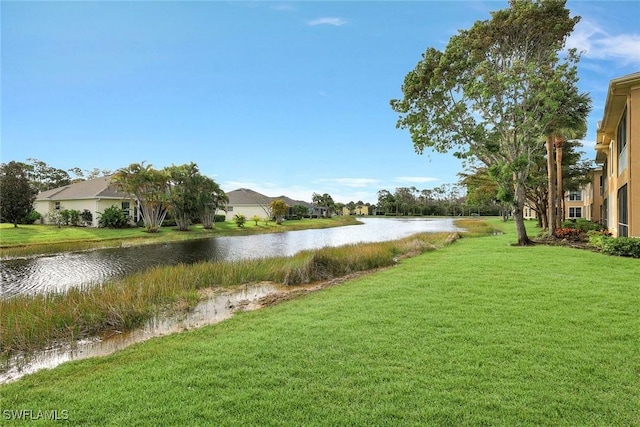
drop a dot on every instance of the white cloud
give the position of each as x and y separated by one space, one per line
283 7
589 145
415 179
336 22
355 196
596 43
350 182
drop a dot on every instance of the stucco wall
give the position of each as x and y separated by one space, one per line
634 162
96 207
247 210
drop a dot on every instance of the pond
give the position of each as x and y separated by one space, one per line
59 272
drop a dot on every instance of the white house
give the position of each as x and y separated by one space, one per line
94 195
249 203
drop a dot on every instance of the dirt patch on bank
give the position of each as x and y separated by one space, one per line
286 293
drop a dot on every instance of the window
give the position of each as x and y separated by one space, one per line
621 136
601 185
575 195
623 213
126 206
621 142
603 219
56 206
575 212
229 208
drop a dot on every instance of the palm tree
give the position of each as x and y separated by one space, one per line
150 187
571 122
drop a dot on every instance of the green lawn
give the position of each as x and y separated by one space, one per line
478 333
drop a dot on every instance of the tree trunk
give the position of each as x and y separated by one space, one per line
560 190
208 220
551 197
518 212
544 212
182 221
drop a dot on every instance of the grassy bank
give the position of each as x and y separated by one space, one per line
477 333
31 322
29 240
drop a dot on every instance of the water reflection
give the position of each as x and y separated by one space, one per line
57 273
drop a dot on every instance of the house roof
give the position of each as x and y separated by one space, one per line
614 106
245 196
98 188
289 201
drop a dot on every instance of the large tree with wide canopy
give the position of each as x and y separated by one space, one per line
494 91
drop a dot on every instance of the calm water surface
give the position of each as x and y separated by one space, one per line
57 273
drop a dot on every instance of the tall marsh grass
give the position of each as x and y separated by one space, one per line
475 227
31 322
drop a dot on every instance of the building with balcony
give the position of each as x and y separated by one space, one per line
618 151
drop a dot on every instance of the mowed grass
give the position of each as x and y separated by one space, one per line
477 333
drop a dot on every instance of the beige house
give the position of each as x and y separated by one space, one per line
94 195
249 203
359 210
575 205
618 151
529 213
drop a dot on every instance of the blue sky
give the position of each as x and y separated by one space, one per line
280 97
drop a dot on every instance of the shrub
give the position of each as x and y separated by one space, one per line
568 233
239 219
112 217
74 217
220 218
69 217
583 225
619 246
65 216
169 221
32 217
596 238
87 217
55 218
